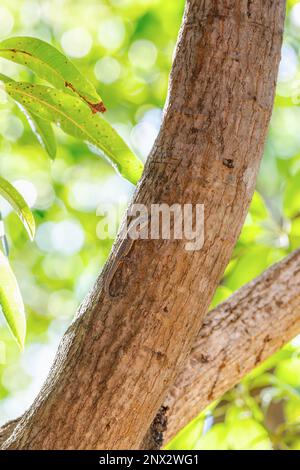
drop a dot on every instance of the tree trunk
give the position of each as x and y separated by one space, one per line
123 351
246 329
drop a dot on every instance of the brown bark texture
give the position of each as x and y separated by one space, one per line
246 329
123 351
236 337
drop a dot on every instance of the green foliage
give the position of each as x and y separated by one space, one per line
292 196
44 132
76 116
236 434
50 65
42 129
11 302
14 198
76 119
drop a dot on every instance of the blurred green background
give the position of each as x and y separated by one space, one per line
126 48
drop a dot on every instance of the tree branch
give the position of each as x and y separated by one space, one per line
120 356
235 338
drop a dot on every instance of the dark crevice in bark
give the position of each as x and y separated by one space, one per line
155 437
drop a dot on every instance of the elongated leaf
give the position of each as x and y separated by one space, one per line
14 198
11 301
5 79
42 129
51 65
75 118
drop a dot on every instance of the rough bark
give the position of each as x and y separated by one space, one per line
235 338
246 329
118 359
7 429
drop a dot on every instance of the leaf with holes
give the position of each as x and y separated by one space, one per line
75 118
51 65
41 128
11 302
14 198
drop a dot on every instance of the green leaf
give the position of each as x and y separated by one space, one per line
292 196
288 371
18 203
75 118
247 434
5 79
258 207
11 301
222 294
51 65
248 266
42 129
214 439
188 437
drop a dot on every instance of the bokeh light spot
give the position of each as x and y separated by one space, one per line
107 70
111 33
76 42
28 191
62 304
143 54
295 15
289 63
67 237
30 13
13 129
6 22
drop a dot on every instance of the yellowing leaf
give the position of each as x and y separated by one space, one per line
14 198
75 118
11 302
51 65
